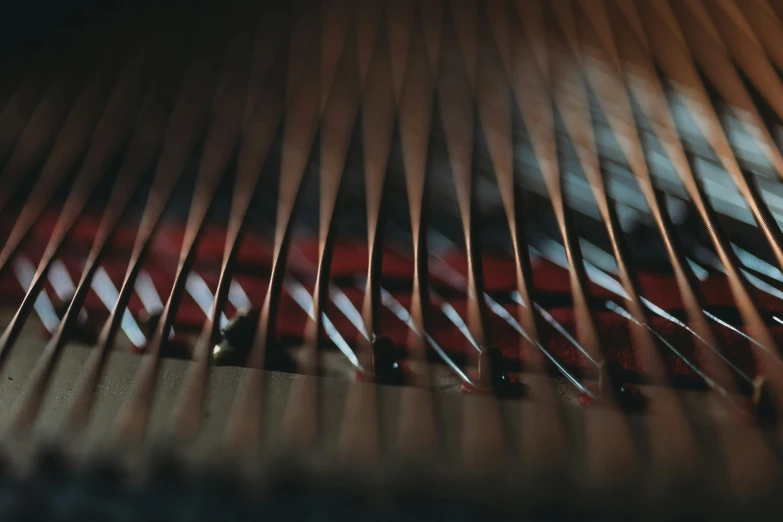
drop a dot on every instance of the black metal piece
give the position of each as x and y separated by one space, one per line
611 384
388 368
493 371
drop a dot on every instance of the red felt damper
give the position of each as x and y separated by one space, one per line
349 267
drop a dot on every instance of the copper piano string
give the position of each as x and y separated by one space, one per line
116 114
340 91
73 138
359 432
722 73
535 73
482 433
545 447
686 283
723 392
111 131
670 436
601 278
144 140
683 73
665 130
529 80
183 129
267 49
550 440
709 53
443 270
601 423
446 273
417 431
602 72
670 432
495 112
462 28
765 25
293 287
399 25
336 295
349 409
219 146
607 264
620 118
494 101
710 259
305 301
455 90
760 452
550 436
300 423
738 38
671 52
258 132
33 140
575 111
24 270
303 110
378 123
20 105
144 143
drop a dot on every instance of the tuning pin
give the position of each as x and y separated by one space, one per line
236 341
61 304
763 405
148 321
490 368
82 331
175 347
493 373
611 383
277 358
388 369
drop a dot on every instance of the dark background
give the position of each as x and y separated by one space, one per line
25 23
